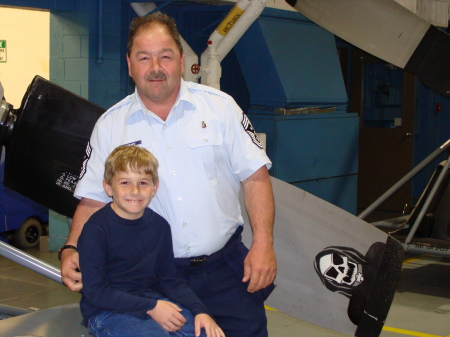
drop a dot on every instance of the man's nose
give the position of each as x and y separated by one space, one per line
155 64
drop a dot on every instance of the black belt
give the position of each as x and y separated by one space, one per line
202 260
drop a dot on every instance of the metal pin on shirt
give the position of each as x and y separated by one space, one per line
203 124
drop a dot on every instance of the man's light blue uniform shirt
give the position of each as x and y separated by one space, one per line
205 148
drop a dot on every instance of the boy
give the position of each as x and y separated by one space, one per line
127 260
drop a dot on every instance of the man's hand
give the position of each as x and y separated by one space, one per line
69 266
168 315
69 257
260 266
206 322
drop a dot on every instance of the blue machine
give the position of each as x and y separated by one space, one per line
298 99
20 216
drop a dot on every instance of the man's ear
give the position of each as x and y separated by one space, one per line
129 65
183 56
107 188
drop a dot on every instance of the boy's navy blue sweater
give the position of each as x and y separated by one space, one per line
128 264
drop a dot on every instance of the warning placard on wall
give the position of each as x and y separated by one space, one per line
2 50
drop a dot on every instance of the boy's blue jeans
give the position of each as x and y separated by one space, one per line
115 324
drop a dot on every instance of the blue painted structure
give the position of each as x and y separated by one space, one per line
431 130
316 152
289 62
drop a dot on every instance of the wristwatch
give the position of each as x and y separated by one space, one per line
65 247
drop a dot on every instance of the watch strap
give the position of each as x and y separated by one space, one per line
66 247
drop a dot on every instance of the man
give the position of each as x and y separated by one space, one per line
206 148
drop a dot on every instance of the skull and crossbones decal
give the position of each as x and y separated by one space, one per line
346 271
338 268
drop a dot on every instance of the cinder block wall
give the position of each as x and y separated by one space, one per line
86 45
107 48
69 51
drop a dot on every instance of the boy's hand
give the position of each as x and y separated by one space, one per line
168 315
70 273
211 328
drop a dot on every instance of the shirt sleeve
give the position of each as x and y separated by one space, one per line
245 151
90 182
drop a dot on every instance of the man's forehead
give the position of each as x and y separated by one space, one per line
164 41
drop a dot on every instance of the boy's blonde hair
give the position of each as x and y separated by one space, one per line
130 157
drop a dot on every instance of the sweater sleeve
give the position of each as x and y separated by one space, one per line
172 285
96 290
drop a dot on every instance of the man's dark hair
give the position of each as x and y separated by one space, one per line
143 23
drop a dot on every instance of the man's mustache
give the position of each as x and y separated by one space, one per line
155 76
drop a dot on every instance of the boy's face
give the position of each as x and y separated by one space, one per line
131 192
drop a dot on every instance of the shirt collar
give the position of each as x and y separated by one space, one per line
137 105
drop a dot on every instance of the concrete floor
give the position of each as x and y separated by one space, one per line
421 305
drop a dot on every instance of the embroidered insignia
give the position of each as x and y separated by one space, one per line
248 127
87 156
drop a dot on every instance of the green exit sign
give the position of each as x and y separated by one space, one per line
2 51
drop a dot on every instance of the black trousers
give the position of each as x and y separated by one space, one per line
219 285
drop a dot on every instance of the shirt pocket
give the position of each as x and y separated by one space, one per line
206 152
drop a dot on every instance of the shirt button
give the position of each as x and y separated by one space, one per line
184 224
205 140
165 125
169 149
180 198
188 248
174 173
